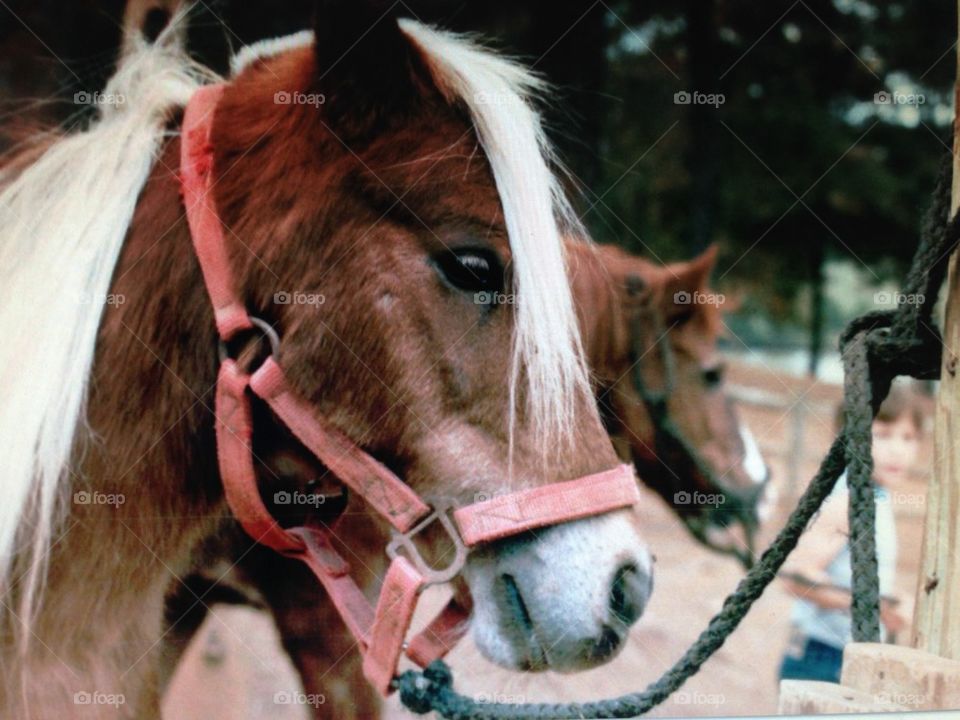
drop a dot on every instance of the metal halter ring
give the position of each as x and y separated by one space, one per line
258 324
405 542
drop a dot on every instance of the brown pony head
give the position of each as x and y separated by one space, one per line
393 217
651 335
389 210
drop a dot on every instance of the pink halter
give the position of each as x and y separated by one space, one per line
380 632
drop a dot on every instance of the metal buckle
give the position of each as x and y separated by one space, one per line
264 327
404 541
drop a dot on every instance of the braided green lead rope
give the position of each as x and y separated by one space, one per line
883 345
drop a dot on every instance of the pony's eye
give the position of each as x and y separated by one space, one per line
472 270
713 376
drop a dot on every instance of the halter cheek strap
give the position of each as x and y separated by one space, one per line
380 632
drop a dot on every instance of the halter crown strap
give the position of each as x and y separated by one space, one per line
196 169
380 632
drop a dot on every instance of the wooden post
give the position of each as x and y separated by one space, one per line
936 621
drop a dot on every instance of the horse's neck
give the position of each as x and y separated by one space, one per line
156 353
598 306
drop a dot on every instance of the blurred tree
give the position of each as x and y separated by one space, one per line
798 166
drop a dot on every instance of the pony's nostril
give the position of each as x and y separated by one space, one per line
629 593
518 615
607 645
515 602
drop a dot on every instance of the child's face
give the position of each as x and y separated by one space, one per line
895 448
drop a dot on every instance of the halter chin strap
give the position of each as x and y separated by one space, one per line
380 632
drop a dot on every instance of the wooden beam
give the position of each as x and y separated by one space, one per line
936 620
902 676
810 697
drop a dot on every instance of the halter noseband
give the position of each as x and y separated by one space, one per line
380 632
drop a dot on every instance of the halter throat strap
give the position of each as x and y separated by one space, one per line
381 631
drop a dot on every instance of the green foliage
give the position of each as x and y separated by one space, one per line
798 159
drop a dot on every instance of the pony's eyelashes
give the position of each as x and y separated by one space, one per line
471 270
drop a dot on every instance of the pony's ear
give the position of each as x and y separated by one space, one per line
366 67
684 281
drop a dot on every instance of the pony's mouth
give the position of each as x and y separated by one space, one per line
736 537
608 646
535 654
563 599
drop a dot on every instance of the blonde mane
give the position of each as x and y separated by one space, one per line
500 96
63 221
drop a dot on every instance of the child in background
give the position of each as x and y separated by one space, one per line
818 572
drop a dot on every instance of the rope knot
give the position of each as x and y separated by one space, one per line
419 691
894 344
876 320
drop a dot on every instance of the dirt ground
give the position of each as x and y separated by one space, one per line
237 651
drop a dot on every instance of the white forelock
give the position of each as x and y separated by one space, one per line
500 96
